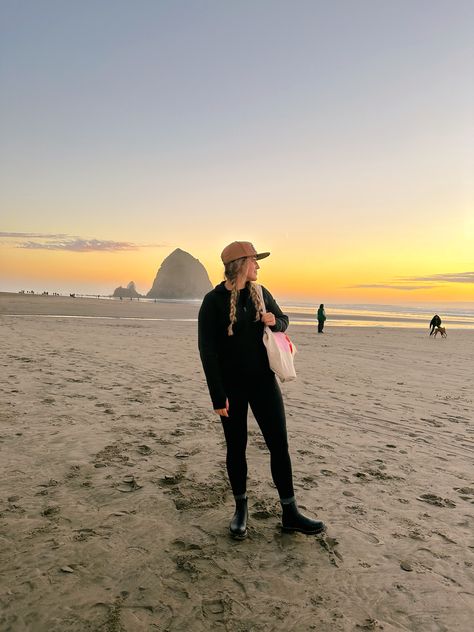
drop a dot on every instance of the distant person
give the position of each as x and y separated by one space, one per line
321 318
435 322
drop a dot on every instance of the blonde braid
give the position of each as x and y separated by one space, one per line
231 273
234 295
256 299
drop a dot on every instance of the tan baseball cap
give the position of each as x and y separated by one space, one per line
239 249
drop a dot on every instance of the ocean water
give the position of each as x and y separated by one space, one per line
381 315
341 315
370 315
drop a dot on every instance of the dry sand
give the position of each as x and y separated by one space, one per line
115 504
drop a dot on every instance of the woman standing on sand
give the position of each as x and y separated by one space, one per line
235 362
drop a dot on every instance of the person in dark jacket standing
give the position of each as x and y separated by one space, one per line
235 362
321 318
435 322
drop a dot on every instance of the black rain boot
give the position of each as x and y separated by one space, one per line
293 520
238 525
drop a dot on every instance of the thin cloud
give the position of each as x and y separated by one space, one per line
71 243
449 277
33 235
80 245
387 286
428 280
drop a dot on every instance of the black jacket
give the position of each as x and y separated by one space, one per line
231 359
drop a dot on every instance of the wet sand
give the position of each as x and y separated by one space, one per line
115 502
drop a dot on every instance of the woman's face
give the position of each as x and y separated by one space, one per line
252 267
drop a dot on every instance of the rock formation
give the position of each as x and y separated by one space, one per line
180 276
126 292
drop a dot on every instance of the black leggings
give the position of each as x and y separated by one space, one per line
264 397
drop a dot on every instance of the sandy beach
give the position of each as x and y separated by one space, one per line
115 503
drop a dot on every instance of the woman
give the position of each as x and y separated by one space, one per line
235 362
321 319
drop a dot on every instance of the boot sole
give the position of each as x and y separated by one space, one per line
306 532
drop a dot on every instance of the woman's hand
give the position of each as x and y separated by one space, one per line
268 319
223 412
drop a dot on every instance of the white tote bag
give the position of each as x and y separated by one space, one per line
280 350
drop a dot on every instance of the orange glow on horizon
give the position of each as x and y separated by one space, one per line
321 278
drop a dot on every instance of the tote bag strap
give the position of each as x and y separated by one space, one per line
260 291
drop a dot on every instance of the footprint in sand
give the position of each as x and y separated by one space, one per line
170 480
466 493
51 511
13 506
434 422
74 471
185 563
185 454
263 509
217 610
84 534
182 545
196 424
330 546
328 473
144 449
51 483
111 454
162 441
444 537
356 509
182 455
369 624
436 501
308 482
129 484
371 537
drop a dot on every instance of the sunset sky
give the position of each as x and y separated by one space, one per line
338 135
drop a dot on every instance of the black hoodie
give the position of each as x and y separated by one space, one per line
232 359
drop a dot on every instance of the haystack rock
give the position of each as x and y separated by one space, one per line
127 292
180 276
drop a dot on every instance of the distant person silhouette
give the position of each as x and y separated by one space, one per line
435 322
321 316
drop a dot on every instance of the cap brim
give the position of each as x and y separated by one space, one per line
262 255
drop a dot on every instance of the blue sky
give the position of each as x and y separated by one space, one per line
331 127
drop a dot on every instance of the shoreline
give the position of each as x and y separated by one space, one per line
293 324
60 306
